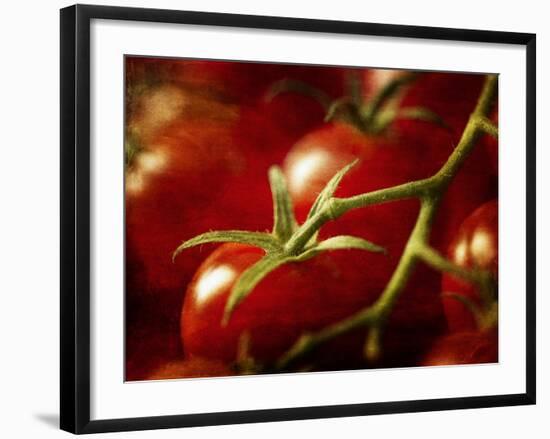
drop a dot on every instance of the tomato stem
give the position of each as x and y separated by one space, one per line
284 223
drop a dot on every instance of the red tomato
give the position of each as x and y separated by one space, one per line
383 162
292 299
464 348
166 195
475 246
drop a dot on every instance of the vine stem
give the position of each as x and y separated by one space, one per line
429 191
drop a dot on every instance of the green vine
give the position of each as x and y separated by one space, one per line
289 242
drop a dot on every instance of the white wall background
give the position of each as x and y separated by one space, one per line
29 201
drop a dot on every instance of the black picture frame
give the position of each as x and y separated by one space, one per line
75 217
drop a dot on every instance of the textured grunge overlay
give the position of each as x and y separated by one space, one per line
302 218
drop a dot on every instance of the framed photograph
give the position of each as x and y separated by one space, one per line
268 218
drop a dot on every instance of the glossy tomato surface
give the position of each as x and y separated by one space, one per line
471 347
474 247
293 299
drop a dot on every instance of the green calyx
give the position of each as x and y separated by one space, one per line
370 117
288 242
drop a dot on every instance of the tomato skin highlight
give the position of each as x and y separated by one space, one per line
474 247
293 299
471 347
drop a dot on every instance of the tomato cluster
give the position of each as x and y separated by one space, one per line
470 311
200 138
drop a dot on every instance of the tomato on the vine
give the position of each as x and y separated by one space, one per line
198 162
293 299
474 247
407 150
382 163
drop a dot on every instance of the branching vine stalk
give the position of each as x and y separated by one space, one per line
289 242
429 191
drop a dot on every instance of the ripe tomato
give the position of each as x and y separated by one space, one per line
166 195
475 246
382 163
471 347
294 298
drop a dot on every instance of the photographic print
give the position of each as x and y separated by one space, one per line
304 218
